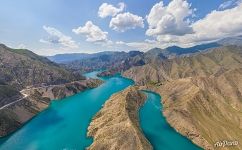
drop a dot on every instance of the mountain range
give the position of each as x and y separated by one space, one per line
114 61
200 87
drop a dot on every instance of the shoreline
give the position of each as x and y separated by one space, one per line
37 100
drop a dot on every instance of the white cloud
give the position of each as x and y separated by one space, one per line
120 43
93 33
216 25
56 37
170 19
147 45
229 4
125 21
106 10
226 4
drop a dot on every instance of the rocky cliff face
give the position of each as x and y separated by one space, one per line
15 115
201 94
116 125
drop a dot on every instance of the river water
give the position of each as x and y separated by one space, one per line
156 128
63 125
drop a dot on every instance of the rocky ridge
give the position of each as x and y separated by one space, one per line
116 125
201 94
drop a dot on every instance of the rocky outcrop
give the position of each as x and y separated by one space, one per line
37 99
201 94
116 125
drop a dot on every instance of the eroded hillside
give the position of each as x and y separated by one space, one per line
201 94
116 125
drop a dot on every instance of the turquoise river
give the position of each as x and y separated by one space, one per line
63 125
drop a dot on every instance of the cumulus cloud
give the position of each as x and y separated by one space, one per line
170 19
106 10
217 25
92 32
57 37
171 27
125 21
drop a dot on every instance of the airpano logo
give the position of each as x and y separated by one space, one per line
226 143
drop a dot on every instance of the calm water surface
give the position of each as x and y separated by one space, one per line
157 130
63 125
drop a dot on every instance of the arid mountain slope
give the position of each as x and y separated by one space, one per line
27 84
206 110
207 63
21 68
37 99
201 94
116 125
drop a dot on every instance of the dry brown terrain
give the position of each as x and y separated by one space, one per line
116 125
201 94
15 115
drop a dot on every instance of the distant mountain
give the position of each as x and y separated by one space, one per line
179 51
114 62
66 58
231 41
119 61
104 60
173 51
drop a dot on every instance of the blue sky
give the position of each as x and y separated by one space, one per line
49 27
